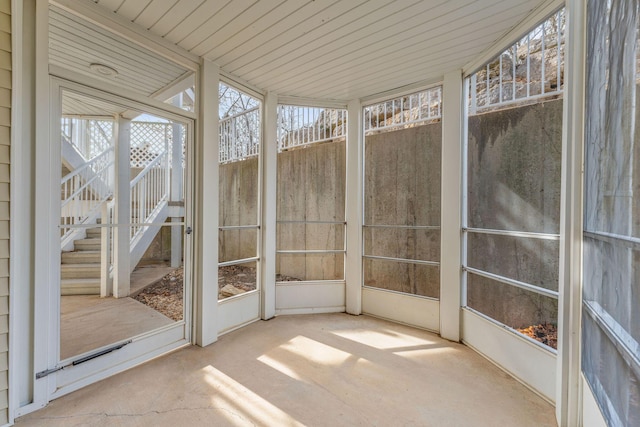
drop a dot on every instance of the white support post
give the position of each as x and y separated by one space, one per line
269 200
451 205
353 208
122 238
46 241
206 298
105 254
568 384
176 194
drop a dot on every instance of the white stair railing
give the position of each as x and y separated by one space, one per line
149 193
89 136
240 136
83 191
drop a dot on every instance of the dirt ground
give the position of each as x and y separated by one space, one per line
166 294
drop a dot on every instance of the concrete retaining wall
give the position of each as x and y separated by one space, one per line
514 169
311 187
402 188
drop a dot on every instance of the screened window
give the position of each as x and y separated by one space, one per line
611 291
239 207
513 164
310 240
401 230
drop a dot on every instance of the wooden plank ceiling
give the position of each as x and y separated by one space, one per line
75 44
329 49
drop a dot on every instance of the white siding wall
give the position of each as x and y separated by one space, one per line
5 141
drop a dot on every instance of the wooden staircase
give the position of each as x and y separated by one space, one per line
80 268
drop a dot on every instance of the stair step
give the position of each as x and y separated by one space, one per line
81 257
80 271
94 233
87 244
80 287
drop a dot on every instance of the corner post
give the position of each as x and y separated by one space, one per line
206 301
353 207
451 204
269 208
568 384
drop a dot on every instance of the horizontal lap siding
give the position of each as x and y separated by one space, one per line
5 142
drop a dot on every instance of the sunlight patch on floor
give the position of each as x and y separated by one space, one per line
240 403
384 339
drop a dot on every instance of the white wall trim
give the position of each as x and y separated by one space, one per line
243 85
407 309
310 297
591 416
238 311
19 224
401 91
91 83
44 344
526 361
312 102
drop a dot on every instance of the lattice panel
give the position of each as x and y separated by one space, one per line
148 141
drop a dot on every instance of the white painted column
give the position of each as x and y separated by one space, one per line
568 383
206 230
176 195
353 207
122 213
269 201
451 205
43 349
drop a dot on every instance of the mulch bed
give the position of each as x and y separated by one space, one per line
545 333
165 295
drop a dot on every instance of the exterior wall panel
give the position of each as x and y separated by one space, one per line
5 142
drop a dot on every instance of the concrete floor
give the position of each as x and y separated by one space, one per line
88 322
315 370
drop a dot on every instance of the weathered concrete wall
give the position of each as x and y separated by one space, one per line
311 187
514 166
238 206
402 187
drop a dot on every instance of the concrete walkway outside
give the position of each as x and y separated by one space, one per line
315 370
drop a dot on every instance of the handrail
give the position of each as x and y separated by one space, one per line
82 188
239 135
88 164
83 191
149 190
147 168
240 114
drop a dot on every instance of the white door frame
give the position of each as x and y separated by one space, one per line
47 294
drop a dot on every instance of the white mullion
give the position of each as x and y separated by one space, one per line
354 200
454 103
